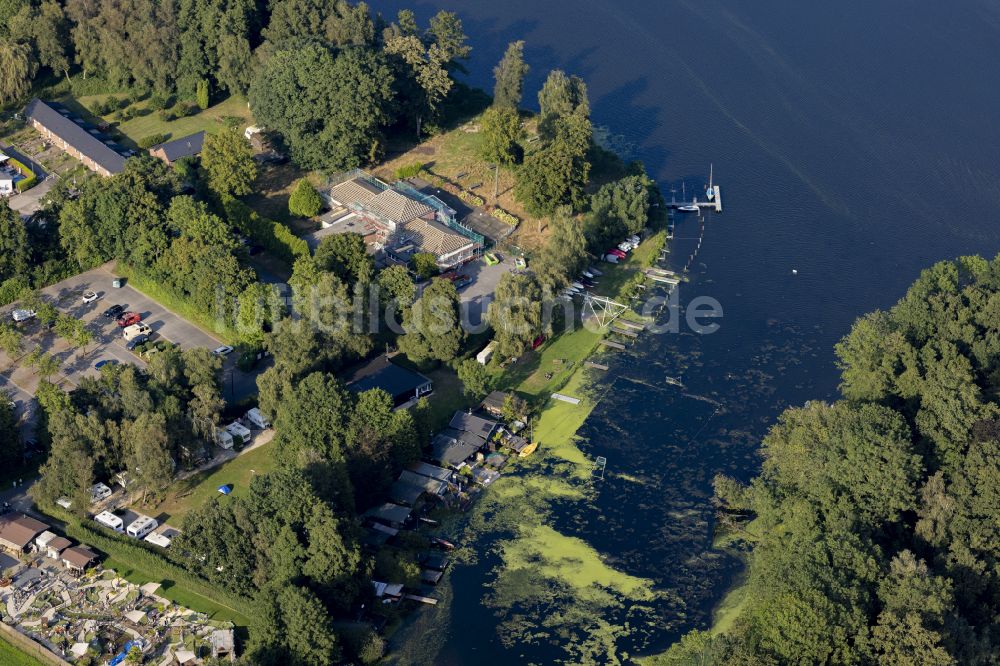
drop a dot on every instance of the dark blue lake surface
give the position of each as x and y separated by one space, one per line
855 142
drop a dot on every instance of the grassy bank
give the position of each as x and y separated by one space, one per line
12 656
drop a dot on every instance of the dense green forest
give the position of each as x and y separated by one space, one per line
875 519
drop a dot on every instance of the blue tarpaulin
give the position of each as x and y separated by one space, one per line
120 657
226 489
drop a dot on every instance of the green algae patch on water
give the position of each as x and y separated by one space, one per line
573 562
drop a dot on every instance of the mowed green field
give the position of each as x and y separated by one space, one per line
11 656
210 120
192 493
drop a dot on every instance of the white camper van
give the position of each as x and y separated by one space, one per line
110 520
99 492
223 439
256 419
239 432
141 526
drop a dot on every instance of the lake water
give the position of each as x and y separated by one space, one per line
855 143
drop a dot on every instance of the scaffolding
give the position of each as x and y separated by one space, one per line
602 309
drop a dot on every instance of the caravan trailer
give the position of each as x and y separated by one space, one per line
110 520
256 419
240 433
142 526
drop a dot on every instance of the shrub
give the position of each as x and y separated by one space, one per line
305 200
409 171
13 289
470 198
159 101
504 216
147 142
167 115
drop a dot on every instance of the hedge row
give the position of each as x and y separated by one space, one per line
30 177
136 553
274 236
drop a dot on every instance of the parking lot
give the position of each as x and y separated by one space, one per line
477 296
108 344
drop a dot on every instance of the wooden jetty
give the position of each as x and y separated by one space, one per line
631 324
624 331
596 366
613 345
424 600
663 278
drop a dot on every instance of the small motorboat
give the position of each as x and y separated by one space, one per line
690 208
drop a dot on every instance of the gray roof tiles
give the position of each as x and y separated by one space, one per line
75 135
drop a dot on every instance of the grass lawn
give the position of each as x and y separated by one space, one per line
177 593
447 397
12 656
191 493
209 120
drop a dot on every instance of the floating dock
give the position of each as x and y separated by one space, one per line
631 324
596 366
613 345
715 203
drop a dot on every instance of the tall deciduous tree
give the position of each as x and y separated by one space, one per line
150 462
501 135
15 254
17 68
433 324
329 109
509 76
228 160
516 313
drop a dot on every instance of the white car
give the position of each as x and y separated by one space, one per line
224 350
23 315
89 296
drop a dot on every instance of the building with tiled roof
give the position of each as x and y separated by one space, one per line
55 123
403 221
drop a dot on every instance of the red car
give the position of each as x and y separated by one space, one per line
618 253
129 318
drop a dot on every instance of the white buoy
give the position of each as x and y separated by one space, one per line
795 271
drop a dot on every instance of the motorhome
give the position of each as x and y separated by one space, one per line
240 433
141 526
160 540
223 439
135 330
110 520
256 419
99 492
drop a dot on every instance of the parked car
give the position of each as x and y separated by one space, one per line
224 350
618 253
136 341
23 315
492 258
107 361
626 246
89 296
128 319
114 311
